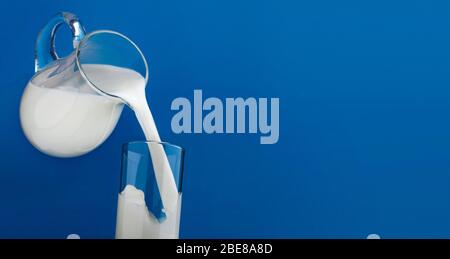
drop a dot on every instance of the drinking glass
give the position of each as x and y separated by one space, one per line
141 212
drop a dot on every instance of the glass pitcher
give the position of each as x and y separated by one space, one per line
66 110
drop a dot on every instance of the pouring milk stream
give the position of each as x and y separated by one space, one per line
129 86
71 106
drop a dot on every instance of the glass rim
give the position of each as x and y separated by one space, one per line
162 143
80 67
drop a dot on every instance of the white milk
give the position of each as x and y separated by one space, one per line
135 221
66 118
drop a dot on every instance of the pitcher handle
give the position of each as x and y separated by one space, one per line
45 44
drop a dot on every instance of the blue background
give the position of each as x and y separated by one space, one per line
364 119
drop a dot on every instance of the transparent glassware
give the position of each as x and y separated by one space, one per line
140 211
67 108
